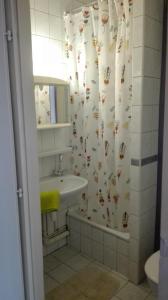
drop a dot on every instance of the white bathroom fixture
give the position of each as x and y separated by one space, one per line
152 271
68 185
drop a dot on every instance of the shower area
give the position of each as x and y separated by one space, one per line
113 68
114 59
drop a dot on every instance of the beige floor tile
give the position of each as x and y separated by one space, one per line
50 263
151 297
63 292
65 254
78 262
122 279
145 286
94 283
131 292
49 284
61 273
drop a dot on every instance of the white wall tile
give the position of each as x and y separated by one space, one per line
123 264
97 235
55 53
47 140
68 5
149 175
147 245
56 27
55 8
139 226
40 46
110 241
49 21
47 166
143 144
144 118
122 247
136 145
155 117
147 118
97 251
146 62
154 8
41 5
152 33
138 90
135 178
134 226
74 240
42 24
110 258
152 63
136 122
147 32
75 225
137 61
143 201
141 249
146 91
134 272
151 91
138 31
155 142
147 144
134 250
138 8
86 230
86 246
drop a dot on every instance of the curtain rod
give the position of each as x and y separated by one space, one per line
78 9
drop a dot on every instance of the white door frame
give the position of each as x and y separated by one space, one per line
11 269
21 76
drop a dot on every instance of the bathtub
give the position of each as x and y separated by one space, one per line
75 213
105 245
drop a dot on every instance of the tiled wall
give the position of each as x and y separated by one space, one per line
48 36
49 140
99 245
147 42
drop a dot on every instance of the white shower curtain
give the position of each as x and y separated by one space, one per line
98 48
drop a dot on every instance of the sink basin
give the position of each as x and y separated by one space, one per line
68 185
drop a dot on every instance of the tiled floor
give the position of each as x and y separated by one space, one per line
63 264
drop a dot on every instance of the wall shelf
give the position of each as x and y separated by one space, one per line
53 126
50 81
54 152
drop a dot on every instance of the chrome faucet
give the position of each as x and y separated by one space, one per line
60 171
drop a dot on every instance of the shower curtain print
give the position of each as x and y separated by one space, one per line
98 49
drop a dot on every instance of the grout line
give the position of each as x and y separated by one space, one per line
148 47
145 76
153 18
53 279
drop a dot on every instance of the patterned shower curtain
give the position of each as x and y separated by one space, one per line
98 48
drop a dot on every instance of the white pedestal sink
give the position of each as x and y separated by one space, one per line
68 185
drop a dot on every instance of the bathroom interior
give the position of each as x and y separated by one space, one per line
97 75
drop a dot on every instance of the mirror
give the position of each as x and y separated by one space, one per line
51 100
